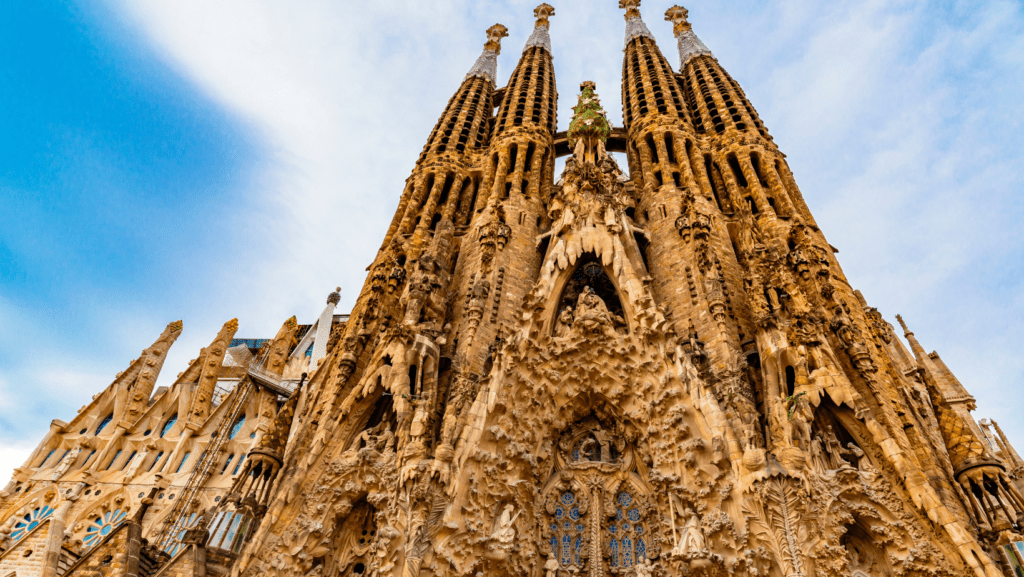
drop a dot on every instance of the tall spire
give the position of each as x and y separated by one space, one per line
540 35
689 45
634 25
487 65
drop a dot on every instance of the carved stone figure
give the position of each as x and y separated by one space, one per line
505 532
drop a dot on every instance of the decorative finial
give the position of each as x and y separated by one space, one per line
677 16
635 27
689 45
540 31
335 297
175 326
542 13
231 325
588 125
494 35
632 8
487 65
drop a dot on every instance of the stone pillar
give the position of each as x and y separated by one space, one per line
55 534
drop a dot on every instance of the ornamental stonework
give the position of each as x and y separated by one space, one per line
656 369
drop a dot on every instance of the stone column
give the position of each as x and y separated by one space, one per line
55 534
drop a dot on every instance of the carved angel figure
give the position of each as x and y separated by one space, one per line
692 540
504 533
643 567
592 315
564 324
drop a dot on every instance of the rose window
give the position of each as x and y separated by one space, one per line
31 521
567 531
102 526
627 537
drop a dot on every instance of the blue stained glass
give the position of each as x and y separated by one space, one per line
641 549
48 455
128 460
159 456
309 351
554 545
579 528
183 461
568 498
554 526
236 427
639 529
613 529
566 525
627 552
566 544
167 426
575 454
30 521
576 549
102 526
614 546
618 514
625 499
625 526
103 424
574 513
633 515
559 513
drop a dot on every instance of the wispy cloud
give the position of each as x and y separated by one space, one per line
899 118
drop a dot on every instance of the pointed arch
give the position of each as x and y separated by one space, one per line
571 281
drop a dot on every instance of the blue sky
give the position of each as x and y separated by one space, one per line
209 159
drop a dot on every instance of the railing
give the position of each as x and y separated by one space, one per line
272 381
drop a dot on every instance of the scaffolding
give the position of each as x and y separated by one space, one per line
178 521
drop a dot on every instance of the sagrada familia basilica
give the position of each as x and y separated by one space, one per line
654 372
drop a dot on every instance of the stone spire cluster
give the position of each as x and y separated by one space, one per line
654 372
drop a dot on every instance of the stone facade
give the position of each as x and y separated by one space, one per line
595 373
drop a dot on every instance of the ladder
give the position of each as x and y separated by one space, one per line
177 522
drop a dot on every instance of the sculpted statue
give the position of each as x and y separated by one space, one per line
564 324
833 448
551 567
592 315
68 460
504 533
692 540
863 463
801 417
819 460
643 567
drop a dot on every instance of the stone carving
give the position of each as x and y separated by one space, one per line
647 389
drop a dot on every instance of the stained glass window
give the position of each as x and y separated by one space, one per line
567 531
237 465
192 520
111 463
183 461
103 424
48 455
102 526
236 427
128 460
30 521
227 463
626 534
167 426
158 457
